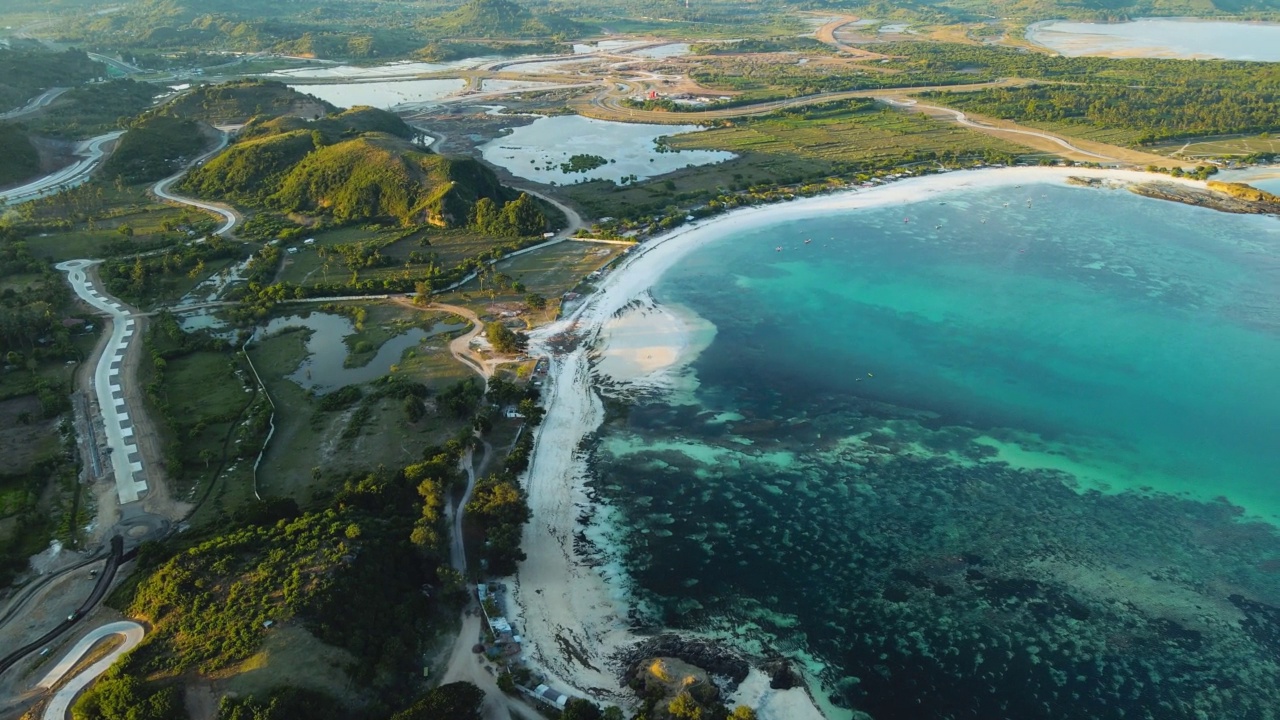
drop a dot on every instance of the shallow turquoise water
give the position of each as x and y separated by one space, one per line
1144 336
1024 419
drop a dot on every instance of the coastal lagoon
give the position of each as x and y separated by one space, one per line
1007 452
1161 38
536 151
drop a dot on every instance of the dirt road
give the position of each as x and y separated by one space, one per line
1075 148
465 665
827 34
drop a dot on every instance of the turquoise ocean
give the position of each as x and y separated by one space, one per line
1006 453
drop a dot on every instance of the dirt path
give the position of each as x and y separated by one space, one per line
1075 148
607 105
460 347
465 665
827 34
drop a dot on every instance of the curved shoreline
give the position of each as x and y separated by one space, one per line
574 609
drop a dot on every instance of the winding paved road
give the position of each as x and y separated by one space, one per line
126 460
91 153
60 705
36 103
230 217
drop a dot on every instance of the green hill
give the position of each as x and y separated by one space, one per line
355 121
250 170
24 74
154 147
497 19
352 165
20 159
239 101
377 175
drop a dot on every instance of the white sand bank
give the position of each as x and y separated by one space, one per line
648 341
573 614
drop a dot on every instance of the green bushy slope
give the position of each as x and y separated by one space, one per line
18 157
155 147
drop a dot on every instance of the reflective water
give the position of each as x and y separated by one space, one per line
1162 38
536 151
1011 454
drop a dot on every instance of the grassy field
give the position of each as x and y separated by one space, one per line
837 136
1221 146
443 247
549 272
83 242
801 146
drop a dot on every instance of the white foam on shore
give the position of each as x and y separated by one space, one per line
564 600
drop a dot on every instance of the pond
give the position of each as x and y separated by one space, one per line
536 151
384 95
1161 38
663 51
325 368
388 70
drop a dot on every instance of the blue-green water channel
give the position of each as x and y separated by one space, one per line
1015 454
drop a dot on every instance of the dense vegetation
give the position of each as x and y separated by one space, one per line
1154 113
155 147
89 110
209 599
24 74
161 273
34 346
1156 99
364 29
498 19
118 695
21 160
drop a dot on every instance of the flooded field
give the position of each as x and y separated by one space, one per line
1162 38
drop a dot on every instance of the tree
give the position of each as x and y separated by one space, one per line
523 217
504 340
684 707
579 709
742 712
456 701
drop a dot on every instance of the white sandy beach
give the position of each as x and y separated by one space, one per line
573 614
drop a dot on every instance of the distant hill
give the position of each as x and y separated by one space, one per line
949 11
18 157
352 165
497 19
242 100
24 74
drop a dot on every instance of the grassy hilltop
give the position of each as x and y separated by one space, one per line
353 165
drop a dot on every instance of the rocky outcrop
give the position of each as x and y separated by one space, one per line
704 654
